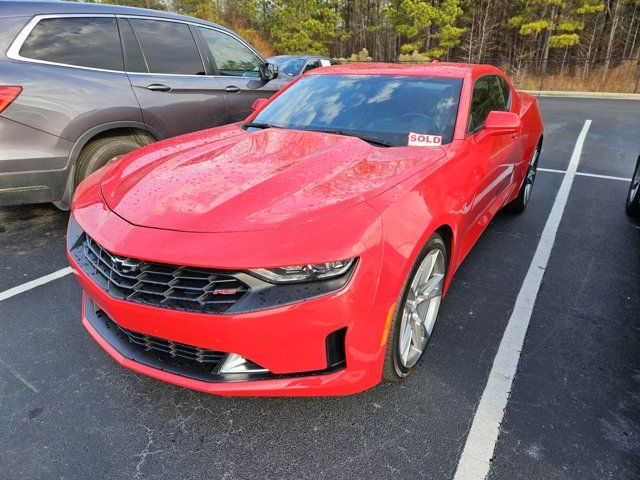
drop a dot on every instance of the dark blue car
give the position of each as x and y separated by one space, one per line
290 66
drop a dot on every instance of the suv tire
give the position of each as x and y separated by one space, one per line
97 153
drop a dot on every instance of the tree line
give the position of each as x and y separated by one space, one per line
590 32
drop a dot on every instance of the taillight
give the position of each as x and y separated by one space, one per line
8 95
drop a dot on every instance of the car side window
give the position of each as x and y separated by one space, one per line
79 41
232 57
506 91
311 65
168 47
488 96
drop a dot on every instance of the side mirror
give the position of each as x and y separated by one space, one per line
500 123
258 104
503 122
268 71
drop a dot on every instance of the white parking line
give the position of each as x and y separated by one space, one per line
476 457
34 283
585 174
607 177
552 170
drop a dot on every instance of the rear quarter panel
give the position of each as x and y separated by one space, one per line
532 130
9 28
67 101
55 108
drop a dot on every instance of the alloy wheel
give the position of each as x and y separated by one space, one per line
531 175
421 308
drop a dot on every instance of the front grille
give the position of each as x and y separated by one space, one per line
173 349
171 286
177 358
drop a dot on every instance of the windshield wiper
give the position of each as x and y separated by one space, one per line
260 125
362 136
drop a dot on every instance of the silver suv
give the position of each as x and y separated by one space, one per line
81 84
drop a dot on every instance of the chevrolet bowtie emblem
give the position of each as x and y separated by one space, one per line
125 265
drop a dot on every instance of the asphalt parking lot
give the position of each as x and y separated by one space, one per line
69 411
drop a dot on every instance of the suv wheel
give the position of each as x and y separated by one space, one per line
97 153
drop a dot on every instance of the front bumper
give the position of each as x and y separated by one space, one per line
342 382
290 341
306 372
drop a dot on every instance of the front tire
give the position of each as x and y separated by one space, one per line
97 153
633 197
417 311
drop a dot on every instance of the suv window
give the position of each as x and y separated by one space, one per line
487 96
168 47
80 41
133 59
232 57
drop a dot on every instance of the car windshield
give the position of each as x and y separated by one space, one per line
382 109
289 66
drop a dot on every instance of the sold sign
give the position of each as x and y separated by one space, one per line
424 140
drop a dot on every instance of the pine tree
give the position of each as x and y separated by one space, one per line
304 26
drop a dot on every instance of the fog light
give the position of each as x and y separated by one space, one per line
238 364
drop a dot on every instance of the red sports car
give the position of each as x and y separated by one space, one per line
306 250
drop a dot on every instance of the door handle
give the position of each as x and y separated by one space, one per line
158 87
232 89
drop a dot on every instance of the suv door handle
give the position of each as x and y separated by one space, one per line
158 87
232 89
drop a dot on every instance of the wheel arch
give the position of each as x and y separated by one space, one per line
93 133
446 228
447 232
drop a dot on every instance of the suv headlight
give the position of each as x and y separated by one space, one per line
304 273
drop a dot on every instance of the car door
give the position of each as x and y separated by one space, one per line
238 67
494 155
169 75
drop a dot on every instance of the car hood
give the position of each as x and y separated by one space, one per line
227 179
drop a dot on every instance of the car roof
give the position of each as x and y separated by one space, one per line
11 8
433 69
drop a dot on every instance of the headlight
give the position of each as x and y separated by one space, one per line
304 273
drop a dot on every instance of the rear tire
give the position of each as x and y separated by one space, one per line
633 197
97 153
416 311
518 204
